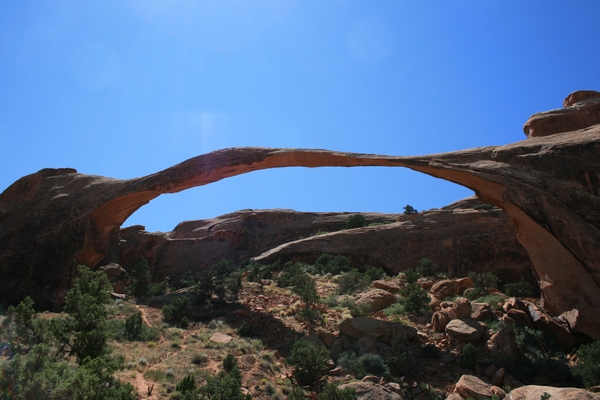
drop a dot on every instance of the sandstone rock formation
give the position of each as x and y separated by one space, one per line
536 392
582 109
54 219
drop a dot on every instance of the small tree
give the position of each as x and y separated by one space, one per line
426 267
140 279
133 326
309 361
356 221
332 392
408 209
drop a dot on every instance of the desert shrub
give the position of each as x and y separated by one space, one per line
331 301
481 281
518 289
395 309
244 329
309 361
288 271
373 364
158 289
468 356
187 384
491 299
177 310
223 386
484 206
306 287
332 392
430 351
229 362
349 360
329 264
426 267
356 310
416 300
84 332
400 362
351 282
133 326
218 280
356 221
374 273
588 364
140 275
366 364
309 314
411 275
408 209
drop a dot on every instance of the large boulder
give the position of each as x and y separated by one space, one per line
383 331
470 386
536 392
502 346
464 331
378 299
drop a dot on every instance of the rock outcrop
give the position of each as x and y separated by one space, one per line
581 110
458 240
54 219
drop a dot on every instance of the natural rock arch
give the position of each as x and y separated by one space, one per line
53 220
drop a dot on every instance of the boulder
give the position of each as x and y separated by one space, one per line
378 299
461 308
497 377
481 311
464 331
520 317
439 320
371 391
536 392
443 289
383 331
546 323
389 286
503 346
473 387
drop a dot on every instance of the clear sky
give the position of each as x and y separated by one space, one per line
127 88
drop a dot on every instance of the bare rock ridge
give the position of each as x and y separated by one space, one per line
549 186
459 239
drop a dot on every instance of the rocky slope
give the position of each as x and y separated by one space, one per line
549 186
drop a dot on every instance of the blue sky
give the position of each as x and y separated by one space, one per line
127 88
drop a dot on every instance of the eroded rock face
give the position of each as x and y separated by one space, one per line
54 219
582 109
535 392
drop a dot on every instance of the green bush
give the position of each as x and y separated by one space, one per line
400 362
395 309
374 273
349 360
356 310
309 361
305 286
187 384
158 289
353 281
588 364
244 329
218 280
468 356
309 314
356 221
366 364
411 275
332 392
229 363
518 289
426 268
177 310
416 300
288 272
482 281
133 326
334 265
331 301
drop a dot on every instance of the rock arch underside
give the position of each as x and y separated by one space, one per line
55 219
